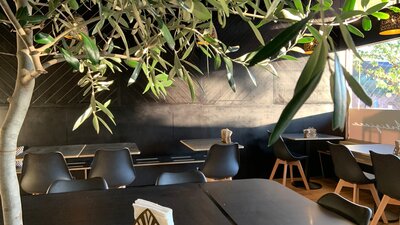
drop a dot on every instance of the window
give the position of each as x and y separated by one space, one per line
379 74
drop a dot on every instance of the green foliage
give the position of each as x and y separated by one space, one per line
141 35
387 78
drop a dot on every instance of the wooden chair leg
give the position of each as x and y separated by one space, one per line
271 177
303 176
284 173
356 193
377 201
380 210
291 172
339 186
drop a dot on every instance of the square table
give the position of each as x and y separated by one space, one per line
199 145
361 151
307 140
69 151
90 149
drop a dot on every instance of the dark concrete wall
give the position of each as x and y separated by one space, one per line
157 125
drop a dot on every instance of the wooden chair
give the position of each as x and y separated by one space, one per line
386 168
40 170
351 175
286 158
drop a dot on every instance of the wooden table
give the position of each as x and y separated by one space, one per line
361 151
199 145
300 137
242 202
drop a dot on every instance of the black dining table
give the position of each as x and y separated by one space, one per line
249 201
308 140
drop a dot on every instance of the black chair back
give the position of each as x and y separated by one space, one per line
357 214
61 186
346 166
222 161
193 176
386 167
282 152
115 166
40 170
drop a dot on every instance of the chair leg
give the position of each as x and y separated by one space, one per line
284 173
380 210
271 177
374 194
356 193
339 186
291 172
303 176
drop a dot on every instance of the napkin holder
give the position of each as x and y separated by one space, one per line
226 135
310 132
396 150
149 213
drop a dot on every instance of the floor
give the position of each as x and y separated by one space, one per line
328 185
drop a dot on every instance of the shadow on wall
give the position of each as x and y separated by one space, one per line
157 132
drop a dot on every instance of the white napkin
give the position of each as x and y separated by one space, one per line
162 214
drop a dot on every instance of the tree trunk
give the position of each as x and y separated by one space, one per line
19 104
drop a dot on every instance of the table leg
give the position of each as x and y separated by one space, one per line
313 185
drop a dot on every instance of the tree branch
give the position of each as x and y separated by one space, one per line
55 61
13 20
63 34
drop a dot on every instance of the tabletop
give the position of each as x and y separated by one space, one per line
69 151
81 150
361 151
243 202
319 137
90 149
203 144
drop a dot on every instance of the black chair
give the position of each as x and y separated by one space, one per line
61 186
386 168
351 175
285 157
115 166
222 162
355 213
40 170
193 176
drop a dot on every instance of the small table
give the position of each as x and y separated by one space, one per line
90 149
199 145
69 151
361 151
300 137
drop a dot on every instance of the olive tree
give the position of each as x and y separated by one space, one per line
97 37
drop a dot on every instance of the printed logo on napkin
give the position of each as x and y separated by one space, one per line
146 218
150 213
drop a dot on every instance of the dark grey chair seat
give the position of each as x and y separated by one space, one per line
357 214
61 186
39 171
386 168
351 175
222 161
115 166
287 158
193 176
